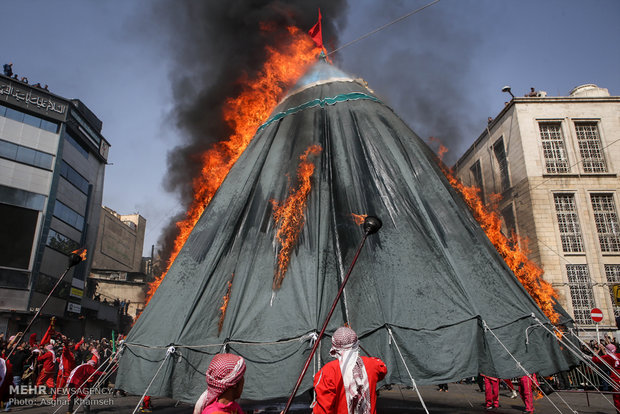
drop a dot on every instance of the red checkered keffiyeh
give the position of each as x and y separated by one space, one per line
225 371
345 347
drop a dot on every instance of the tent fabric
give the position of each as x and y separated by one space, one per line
430 275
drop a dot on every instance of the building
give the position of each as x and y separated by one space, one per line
117 275
52 164
555 162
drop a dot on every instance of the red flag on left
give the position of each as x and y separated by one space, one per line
316 34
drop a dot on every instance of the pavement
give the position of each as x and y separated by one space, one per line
460 399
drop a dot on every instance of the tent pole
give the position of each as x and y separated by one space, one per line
371 225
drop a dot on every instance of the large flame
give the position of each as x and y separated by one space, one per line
289 215
514 249
244 114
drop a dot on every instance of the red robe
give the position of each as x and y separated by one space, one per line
81 378
67 364
614 362
48 373
329 387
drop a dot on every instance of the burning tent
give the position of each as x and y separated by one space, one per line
429 295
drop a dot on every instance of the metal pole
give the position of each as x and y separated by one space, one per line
74 259
598 336
371 225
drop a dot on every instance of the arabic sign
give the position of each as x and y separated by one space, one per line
24 95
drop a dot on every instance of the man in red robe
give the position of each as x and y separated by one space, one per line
348 384
67 364
612 359
48 372
80 380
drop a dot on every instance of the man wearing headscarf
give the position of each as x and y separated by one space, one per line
612 359
81 379
48 372
224 385
348 384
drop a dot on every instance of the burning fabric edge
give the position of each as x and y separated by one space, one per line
244 113
289 215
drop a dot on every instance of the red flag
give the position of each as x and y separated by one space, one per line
316 34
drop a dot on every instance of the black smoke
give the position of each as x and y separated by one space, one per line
421 66
212 45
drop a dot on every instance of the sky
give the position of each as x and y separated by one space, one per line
441 70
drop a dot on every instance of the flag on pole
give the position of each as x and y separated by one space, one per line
316 34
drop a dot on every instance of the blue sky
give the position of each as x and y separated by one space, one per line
441 70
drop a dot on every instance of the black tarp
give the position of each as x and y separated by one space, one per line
425 286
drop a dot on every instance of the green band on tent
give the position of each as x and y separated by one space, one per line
318 102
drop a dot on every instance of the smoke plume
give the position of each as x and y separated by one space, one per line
214 45
421 67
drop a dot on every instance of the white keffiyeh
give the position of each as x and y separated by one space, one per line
345 347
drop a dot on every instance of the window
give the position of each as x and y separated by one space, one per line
19 227
502 162
25 155
77 145
568 222
613 278
62 243
580 292
509 221
476 172
606 220
25 118
554 151
71 175
590 147
68 215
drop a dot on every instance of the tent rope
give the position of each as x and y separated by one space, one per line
296 339
383 27
559 396
580 355
80 386
521 367
171 350
415 387
100 381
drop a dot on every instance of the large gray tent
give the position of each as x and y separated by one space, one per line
426 286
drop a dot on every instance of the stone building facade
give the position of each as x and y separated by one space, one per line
555 162
117 275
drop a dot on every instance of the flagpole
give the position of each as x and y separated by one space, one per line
74 259
371 225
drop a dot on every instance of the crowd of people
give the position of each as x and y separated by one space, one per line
62 365
7 68
56 364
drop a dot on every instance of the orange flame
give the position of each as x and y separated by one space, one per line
513 250
359 218
244 114
289 216
81 252
442 148
224 306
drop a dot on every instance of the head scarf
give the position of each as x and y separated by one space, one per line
225 371
50 348
611 348
345 347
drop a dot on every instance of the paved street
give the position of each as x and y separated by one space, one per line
461 398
